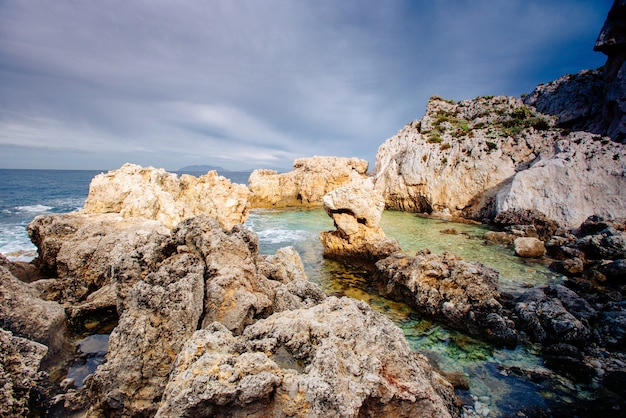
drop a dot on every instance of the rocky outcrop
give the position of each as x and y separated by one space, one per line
22 383
463 295
456 157
134 191
307 184
580 176
307 362
592 100
484 156
356 213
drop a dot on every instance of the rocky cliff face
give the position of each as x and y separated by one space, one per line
484 156
134 191
310 180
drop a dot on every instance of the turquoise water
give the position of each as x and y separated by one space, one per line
487 368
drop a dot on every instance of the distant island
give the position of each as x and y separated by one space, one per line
201 168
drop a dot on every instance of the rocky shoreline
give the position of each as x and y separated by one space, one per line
204 325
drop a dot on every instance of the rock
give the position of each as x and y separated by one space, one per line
457 155
568 360
581 175
529 247
356 213
615 271
135 191
553 314
607 244
22 384
307 184
499 237
173 285
25 314
463 295
25 272
570 267
544 228
339 358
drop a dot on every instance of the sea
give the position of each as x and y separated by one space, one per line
497 385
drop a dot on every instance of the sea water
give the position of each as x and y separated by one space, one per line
27 193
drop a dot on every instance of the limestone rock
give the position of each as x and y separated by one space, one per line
581 175
24 313
529 247
356 212
339 358
306 185
21 381
463 295
135 191
458 154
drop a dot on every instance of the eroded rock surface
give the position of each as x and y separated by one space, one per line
460 294
147 192
338 359
356 212
307 184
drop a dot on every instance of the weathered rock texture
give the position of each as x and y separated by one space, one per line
356 212
460 294
134 191
592 101
22 384
307 184
484 156
336 359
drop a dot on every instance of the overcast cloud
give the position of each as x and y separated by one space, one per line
247 84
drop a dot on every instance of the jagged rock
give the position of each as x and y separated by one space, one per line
173 285
544 228
569 360
615 270
307 184
580 176
553 314
135 191
529 247
22 384
82 251
26 272
356 212
24 313
339 358
460 294
454 159
606 244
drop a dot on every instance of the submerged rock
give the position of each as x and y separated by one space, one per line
307 184
147 192
463 295
356 212
338 358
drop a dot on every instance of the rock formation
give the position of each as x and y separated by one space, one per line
307 184
134 191
484 156
356 212
316 361
463 295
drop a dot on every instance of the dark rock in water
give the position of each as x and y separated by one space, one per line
569 267
544 313
460 294
568 360
542 227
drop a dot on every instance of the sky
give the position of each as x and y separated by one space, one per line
246 84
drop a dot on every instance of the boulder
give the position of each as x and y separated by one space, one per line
529 247
307 184
22 383
356 212
338 358
147 192
463 295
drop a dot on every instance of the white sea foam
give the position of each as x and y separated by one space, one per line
279 236
15 244
34 208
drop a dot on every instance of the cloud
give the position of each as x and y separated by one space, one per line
246 84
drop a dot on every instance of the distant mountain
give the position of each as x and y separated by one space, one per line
201 168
